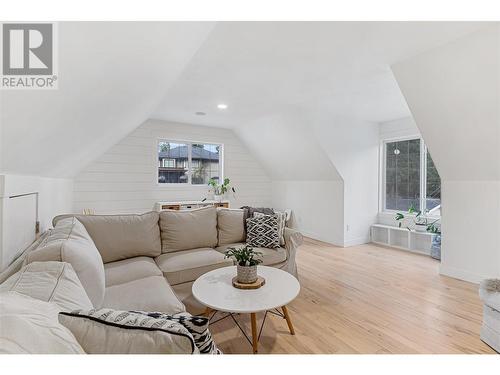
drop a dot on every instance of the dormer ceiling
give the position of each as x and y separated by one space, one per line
112 75
115 75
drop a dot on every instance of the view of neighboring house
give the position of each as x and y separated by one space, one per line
180 162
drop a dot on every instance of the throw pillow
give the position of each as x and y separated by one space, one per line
30 326
197 327
281 217
263 232
108 331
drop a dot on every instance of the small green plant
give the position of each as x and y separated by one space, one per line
433 228
221 189
244 255
418 219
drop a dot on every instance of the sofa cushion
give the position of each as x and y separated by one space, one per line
108 331
69 242
17 264
270 257
131 269
188 265
185 294
188 229
230 225
30 326
120 237
151 293
54 282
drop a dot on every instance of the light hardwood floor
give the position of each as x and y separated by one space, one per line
368 299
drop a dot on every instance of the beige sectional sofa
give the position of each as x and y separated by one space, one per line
141 252
144 262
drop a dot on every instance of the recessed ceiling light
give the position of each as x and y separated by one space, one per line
199 113
222 106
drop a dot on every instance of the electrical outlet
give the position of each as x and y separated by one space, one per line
347 228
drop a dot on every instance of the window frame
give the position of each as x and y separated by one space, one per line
189 143
423 173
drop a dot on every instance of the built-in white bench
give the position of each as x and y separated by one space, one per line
402 238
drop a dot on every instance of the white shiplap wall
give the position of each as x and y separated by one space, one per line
123 180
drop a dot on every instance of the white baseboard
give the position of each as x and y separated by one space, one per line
336 242
321 238
460 274
357 241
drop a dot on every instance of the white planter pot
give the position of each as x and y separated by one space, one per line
246 274
218 198
421 227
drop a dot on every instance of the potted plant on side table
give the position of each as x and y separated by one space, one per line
246 262
220 189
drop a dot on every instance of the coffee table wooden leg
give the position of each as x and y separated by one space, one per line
288 320
207 312
255 338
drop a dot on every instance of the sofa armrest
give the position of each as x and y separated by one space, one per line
489 292
293 239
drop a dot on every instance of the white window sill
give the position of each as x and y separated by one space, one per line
392 214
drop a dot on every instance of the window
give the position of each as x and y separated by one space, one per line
410 177
168 163
188 163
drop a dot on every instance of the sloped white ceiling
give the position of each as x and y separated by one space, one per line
279 79
111 77
275 75
454 94
287 148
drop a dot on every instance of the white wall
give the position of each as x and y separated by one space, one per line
453 94
353 148
403 127
17 215
124 178
471 229
317 207
304 178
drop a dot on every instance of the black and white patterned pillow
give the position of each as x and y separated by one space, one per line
281 217
196 325
85 323
263 232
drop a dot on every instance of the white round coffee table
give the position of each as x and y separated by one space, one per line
216 291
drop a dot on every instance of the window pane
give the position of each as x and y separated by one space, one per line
172 163
402 175
205 162
433 184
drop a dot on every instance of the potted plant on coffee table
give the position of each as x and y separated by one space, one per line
247 260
